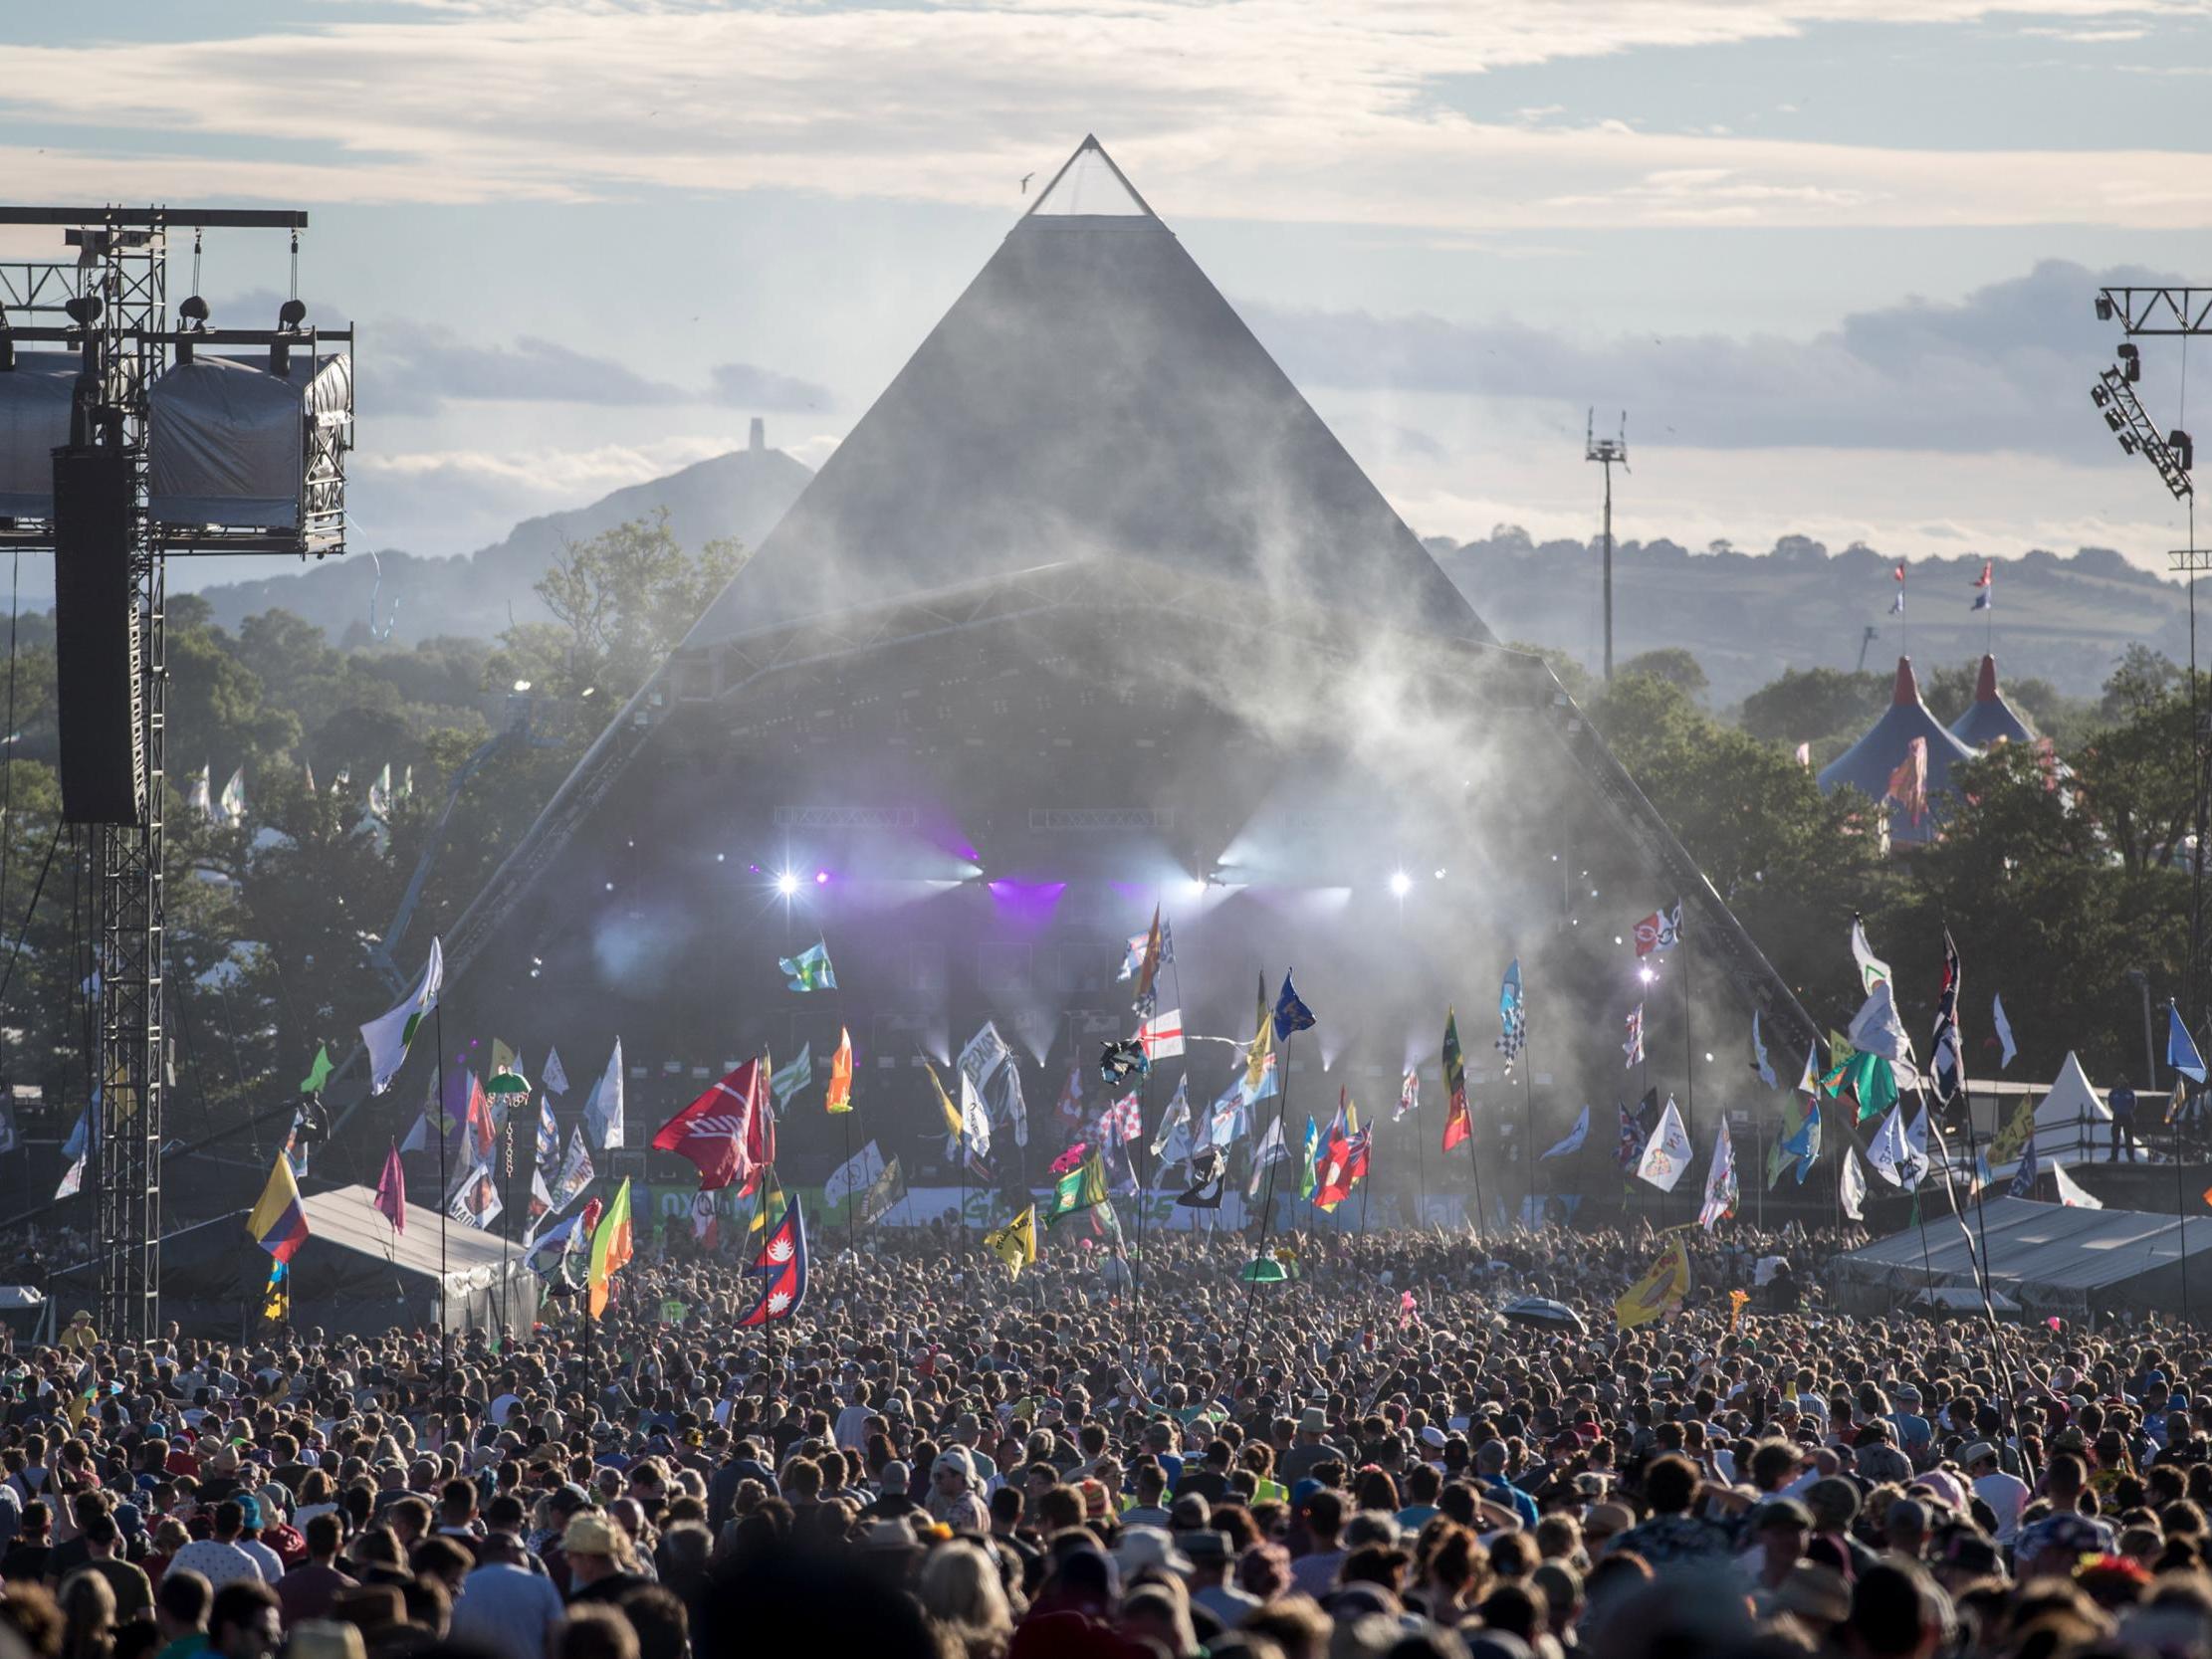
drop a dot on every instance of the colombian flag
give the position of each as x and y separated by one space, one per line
279 1222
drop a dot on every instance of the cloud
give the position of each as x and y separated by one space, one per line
2007 368
747 387
417 367
1246 109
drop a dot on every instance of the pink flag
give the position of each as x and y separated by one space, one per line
392 1191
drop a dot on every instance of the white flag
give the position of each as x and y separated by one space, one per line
1178 1115
2003 1028
1899 1152
476 1200
602 1113
234 798
1850 1184
1575 1137
388 1035
974 1122
1721 1181
202 797
1162 1036
986 1052
1270 1151
856 1174
2070 1190
1873 970
1668 1153
552 1079
73 1180
419 1137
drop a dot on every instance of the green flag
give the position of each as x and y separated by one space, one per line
1309 1180
1082 1187
809 970
319 1073
794 1076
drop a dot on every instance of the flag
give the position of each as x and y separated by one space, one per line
2003 1027
1512 1014
1661 931
548 1149
974 1122
1290 1015
1908 784
840 1074
1149 965
2182 1048
1408 1094
1985 585
551 1078
1809 1079
279 1222
1899 1154
781 1263
1574 1139
419 1137
388 1035
610 1250
1015 1242
1851 1186
1458 1122
602 1113
1082 1187
1209 1175
73 1180
809 970
201 799
852 1177
1259 1053
390 1201
2017 1136
1759 1060
1945 1052
476 1199
712 1131
706 1221
548 1253
791 1079
1011 1108
1667 1152
1660 1291
1804 755
575 1172
986 1052
1231 1117
1879 1029
1070 1105
944 1100
1873 970
275 1300
2024 1178
379 793
234 798
2070 1190
1628 1145
1344 1157
1309 1173
1161 1037
540 1203
1896 605
2177 1105
319 1073
1633 1045
1178 1115
1123 1121
1804 1142
1721 1182
1270 1151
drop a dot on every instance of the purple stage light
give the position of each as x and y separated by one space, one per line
821 878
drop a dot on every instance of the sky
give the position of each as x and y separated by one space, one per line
1835 259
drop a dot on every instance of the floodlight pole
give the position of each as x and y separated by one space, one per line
1605 451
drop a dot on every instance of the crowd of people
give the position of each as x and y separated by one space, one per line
934 1457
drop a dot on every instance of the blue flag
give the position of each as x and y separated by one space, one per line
1290 1015
1512 1014
1760 1063
809 970
1805 1145
2182 1048
2024 1179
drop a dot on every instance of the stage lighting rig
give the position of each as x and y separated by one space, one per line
2124 416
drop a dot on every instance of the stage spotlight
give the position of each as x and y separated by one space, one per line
1401 884
787 884
521 685
821 878
1440 875
1194 889
1644 974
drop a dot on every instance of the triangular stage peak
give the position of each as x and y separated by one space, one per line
1089 185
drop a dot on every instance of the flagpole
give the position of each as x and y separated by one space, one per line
1267 1197
1528 1129
505 1235
437 1101
1421 1168
1689 1044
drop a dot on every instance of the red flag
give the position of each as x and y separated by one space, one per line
782 1262
1988 568
759 1138
716 1130
392 1191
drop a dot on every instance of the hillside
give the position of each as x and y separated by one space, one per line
1746 617
742 494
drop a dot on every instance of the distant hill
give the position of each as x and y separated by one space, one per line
742 494
1748 616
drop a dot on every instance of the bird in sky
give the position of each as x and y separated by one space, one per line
1026 177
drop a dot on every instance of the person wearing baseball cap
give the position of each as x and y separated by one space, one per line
601 1564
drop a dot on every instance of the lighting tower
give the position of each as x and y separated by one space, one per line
1607 451
2185 313
108 306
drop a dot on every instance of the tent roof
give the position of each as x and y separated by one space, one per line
1867 764
2046 1247
1090 393
347 1216
1989 718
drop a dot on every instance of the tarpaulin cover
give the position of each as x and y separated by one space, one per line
226 441
34 423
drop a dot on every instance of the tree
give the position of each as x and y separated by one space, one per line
1673 665
1808 704
626 597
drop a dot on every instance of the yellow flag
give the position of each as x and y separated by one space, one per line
952 1111
610 1248
503 1057
1262 1044
1015 1242
770 1202
840 1073
2012 1140
275 1302
1658 1291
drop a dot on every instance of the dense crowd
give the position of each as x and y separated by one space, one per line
934 1458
